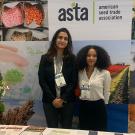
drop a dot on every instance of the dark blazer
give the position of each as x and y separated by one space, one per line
47 79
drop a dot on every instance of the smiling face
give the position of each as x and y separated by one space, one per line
62 41
91 57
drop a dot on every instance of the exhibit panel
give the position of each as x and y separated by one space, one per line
26 30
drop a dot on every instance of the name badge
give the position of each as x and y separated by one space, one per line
60 80
85 94
84 85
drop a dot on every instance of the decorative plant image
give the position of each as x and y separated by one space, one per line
19 67
18 115
13 76
119 85
3 88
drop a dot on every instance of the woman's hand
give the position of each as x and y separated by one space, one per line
57 102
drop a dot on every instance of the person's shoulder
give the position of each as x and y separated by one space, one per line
72 56
45 57
106 72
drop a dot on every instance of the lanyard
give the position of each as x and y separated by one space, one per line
55 66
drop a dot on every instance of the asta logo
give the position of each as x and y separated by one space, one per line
75 13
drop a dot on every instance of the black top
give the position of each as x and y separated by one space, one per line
47 79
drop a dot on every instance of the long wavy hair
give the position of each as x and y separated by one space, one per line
52 51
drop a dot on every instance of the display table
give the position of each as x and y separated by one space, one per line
31 130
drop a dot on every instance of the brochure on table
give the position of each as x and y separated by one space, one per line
12 129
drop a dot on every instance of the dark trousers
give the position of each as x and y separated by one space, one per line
62 115
92 115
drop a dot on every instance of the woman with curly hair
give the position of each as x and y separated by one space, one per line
94 83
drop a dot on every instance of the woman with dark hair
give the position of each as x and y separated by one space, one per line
94 83
57 78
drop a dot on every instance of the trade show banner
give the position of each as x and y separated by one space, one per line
92 19
26 30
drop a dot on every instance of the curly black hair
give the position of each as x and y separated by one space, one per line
52 49
103 59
